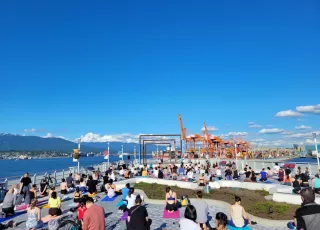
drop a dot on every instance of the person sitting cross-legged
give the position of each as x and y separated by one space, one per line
202 210
263 175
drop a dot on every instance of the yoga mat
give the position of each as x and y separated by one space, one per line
268 182
173 215
11 217
121 202
234 228
124 216
22 207
106 199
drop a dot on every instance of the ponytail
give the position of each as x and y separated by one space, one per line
131 191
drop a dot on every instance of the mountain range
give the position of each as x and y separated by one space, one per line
11 142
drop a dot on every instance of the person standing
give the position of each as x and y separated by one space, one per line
93 218
202 210
25 183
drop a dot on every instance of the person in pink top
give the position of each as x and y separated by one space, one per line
93 217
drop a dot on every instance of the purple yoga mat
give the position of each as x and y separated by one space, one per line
124 216
173 215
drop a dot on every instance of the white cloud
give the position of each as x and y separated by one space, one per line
303 127
50 135
210 128
258 140
287 133
302 135
125 137
32 130
250 122
271 131
288 113
255 126
309 109
233 134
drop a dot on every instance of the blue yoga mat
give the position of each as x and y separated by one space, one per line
11 217
106 199
234 228
121 202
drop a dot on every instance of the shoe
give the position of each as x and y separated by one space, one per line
253 222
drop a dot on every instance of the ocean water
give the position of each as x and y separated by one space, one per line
10 168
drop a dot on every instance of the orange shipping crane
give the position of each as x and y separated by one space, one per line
189 141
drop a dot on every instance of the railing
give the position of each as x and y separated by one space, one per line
57 174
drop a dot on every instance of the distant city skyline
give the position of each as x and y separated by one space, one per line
110 71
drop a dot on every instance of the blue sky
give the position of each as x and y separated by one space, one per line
69 68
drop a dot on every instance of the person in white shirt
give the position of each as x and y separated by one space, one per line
218 173
190 175
276 168
156 172
189 220
131 198
121 172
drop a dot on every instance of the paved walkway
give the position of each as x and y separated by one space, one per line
155 213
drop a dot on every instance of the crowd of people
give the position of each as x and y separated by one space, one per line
84 189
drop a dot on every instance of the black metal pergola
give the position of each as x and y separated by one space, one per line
159 140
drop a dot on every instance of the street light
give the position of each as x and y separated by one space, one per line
315 144
122 153
108 154
235 150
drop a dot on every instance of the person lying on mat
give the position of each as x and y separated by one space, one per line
189 220
111 189
138 217
202 210
9 202
221 221
239 217
171 200
201 180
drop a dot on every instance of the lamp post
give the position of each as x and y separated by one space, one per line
122 153
235 150
79 145
108 154
157 152
315 144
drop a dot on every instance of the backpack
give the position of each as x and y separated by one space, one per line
184 201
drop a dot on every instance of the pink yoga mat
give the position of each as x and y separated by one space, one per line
173 215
